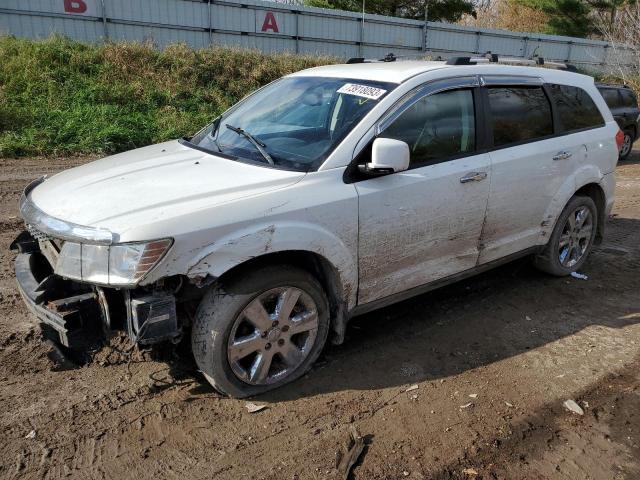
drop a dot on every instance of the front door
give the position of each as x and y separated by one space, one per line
424 224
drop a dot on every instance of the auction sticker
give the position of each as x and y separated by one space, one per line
362 91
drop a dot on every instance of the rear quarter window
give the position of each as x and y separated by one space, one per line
576 108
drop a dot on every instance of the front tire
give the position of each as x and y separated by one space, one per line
261 331
572 238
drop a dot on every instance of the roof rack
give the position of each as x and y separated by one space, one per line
612 85
494 58
389 57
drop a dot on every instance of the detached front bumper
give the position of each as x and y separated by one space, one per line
73 320
77 314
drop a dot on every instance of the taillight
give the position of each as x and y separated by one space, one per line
619 139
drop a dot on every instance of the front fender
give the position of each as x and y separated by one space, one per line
243 245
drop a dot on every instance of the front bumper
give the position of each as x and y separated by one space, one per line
78 315
72 320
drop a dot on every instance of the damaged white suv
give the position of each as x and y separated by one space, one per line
323 195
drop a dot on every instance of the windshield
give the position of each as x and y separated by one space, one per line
293 123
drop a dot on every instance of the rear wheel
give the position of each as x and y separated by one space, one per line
627 144
260 332
571 239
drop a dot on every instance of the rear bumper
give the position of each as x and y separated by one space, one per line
72 321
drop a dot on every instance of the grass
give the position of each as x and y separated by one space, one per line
59 96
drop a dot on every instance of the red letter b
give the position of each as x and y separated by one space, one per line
75 6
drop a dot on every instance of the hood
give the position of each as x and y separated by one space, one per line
155 182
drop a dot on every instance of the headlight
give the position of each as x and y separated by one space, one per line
118 265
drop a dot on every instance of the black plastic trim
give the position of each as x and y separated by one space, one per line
27 286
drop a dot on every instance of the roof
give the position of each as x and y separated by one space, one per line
394 72
399 71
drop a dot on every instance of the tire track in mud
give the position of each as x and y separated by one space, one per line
153 420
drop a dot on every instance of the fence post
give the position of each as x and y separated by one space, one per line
525 46
361 49
569 51
209 11
478 33
297 14
104 20
605 55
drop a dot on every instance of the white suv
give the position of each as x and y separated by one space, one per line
324 195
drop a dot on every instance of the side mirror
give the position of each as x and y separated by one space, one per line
387 156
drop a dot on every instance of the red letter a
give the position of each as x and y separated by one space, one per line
270 23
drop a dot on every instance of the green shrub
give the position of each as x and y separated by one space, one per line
59 96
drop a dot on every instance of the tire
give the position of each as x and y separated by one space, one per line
627 144
550 260
222 320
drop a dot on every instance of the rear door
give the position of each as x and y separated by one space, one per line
528 163
541 134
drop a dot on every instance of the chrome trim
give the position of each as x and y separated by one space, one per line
57 228
511 80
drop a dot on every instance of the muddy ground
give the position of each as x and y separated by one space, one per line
493 358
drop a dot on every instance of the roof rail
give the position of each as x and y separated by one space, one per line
389 57
494 58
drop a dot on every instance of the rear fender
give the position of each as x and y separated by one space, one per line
583 176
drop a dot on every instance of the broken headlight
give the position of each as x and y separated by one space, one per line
118 265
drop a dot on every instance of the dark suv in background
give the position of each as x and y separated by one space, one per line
623 104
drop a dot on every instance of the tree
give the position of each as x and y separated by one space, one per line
438 10
575 18
506 15
623 33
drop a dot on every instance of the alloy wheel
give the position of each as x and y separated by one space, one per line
272 336
576 237
626 145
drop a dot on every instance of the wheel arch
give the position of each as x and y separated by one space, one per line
314 263
586 180
633 128
596 193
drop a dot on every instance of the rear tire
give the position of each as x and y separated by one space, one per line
627 144
248 335
572 238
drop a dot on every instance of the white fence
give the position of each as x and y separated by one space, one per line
274 27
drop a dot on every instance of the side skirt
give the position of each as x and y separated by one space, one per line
427 287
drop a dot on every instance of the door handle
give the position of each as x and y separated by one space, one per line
563 156
473 177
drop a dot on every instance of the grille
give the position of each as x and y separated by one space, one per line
37 234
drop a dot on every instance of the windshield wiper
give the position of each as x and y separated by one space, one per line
254 141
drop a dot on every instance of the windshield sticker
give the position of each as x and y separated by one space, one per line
362 91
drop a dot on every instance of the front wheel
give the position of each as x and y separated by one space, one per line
571 239
261 331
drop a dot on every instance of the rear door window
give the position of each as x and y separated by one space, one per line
519 114
611 96
576 108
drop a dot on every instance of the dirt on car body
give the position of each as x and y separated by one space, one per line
493 359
